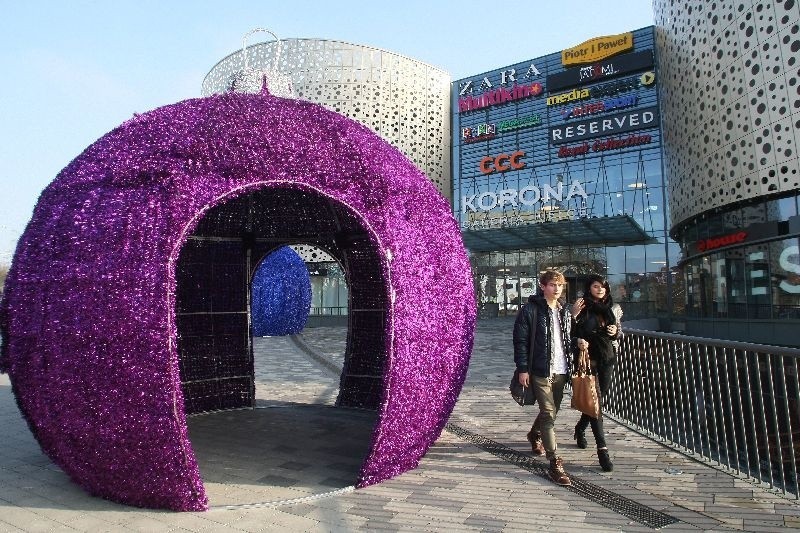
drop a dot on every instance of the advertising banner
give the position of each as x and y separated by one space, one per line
597 49
617 66
605 125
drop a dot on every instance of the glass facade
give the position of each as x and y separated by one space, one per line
744 263
504 279
329 292
567 149
328 289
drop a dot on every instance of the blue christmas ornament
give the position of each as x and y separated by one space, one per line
281 294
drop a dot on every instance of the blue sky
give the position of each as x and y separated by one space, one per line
74 70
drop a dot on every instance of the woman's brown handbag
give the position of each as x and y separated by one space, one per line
584 388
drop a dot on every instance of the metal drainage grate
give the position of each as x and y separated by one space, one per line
619 504
279 503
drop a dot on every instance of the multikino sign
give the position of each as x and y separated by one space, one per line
530 195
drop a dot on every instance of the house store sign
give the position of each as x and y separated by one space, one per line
530 195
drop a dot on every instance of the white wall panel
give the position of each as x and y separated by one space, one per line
730 90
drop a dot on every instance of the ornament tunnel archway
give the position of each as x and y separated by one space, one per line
213 272
97 338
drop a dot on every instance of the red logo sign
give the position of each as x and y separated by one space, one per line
718 242
502 162
499 96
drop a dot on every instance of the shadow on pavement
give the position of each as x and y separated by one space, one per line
281 452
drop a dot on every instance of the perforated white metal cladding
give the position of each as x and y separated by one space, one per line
406 102
730 96
312 254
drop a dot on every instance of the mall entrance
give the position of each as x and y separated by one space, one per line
503 280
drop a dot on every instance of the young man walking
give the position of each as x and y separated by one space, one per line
548 341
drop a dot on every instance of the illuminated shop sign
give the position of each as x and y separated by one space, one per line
604 145
647 79
484 132
792 268
502 163
611 125
530 195
504 77
753 232
592 108
597 49
519 123
481 132
574 94
760 277
517 218
713 243
593 73
499 96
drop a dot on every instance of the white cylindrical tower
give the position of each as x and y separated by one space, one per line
405 101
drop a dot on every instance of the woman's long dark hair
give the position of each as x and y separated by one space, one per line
601 308
587 289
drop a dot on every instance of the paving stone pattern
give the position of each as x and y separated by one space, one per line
290 465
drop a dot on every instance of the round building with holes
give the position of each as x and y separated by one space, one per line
730 102
404 101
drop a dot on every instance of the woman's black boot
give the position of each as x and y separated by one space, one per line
605 460
579 437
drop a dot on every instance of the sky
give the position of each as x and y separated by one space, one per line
74 70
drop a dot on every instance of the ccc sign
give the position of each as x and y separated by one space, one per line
502 162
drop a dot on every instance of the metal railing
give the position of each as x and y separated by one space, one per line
328 311
734 404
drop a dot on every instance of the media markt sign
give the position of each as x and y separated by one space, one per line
597 49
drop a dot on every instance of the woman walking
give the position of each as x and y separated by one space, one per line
597 322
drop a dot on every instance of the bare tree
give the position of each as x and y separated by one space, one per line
3 274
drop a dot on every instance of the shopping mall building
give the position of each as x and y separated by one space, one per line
557 163
663 158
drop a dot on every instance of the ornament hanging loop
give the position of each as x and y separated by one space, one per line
274 65
266 79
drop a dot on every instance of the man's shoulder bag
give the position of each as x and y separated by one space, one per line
521 394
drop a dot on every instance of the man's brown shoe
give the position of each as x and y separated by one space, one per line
537 446
557 473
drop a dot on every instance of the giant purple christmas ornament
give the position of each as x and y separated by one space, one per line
92 340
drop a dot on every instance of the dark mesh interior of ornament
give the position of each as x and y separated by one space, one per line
213 274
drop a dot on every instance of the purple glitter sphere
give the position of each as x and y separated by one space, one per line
88 317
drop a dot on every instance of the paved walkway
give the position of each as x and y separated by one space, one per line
290 465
